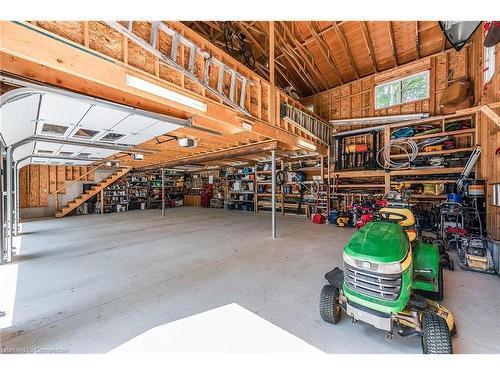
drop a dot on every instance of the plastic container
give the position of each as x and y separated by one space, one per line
332 217
457 198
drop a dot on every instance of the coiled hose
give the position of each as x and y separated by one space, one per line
406 145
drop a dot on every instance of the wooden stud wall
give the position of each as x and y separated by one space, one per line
489 133
356 99
37 182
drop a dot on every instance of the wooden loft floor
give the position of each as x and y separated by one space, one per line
92 58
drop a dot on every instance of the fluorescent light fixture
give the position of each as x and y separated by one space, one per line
307 145
146 86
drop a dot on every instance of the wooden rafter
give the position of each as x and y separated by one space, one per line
393 45
346 48
328 56
417 41
303 53
292 60
369 45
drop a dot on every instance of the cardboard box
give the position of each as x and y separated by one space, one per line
447 109
456 92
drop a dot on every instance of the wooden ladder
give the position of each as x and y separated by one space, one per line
323 199
82 198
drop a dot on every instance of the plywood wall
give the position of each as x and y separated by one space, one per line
356 99
37 182
489 166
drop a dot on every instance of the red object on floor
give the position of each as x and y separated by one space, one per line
459 231
365 218
319 219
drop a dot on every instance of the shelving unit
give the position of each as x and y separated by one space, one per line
240 190
138 191
174 189
289 200
116 197
379 181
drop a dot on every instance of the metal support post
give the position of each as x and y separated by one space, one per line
162 192
8 204
2 209
273 192
16 199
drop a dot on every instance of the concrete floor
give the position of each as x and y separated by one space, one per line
90 283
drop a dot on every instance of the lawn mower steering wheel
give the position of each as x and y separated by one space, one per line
388 216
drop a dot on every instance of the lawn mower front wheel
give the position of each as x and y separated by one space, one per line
329 307
436 337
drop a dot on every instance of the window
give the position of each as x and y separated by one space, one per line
414 87
44 152
112 137
53 129
489 63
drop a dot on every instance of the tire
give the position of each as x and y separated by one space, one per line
436 337
440 293
248 57
329 307
451 266
228 40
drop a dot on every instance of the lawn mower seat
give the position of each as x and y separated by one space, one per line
408 223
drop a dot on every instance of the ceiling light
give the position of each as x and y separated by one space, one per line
307 145
113 163
143 85
246 126
187 142
138 156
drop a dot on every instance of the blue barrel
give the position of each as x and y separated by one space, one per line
457 198
332 217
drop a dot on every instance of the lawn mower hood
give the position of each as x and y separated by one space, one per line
378 242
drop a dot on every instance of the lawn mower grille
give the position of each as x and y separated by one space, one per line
383 286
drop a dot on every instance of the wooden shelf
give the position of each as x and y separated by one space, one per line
358 174
424 182
429 153
442 134
360 186
425 171
429 196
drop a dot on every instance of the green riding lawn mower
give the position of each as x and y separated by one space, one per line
391 280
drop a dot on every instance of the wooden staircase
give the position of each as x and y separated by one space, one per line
91 192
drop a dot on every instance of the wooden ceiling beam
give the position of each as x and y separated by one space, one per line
346 48
222 154
325 51
393 45
263 52
295 62
369 45
303 54
417 41
69 65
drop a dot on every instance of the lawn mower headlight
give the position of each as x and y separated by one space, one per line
390 268
386 268
349 260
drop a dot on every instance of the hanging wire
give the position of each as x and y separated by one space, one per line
406 145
